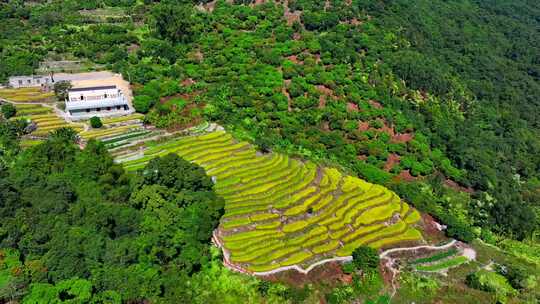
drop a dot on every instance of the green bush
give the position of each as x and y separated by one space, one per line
143 103
491 282
8 110
366 258
95 122
61 89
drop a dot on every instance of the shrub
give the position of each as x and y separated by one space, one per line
142 103
365 258
95 122
61 89
8 110
177 104
491 282
372 173
519 276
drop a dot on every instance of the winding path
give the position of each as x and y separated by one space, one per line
390 262
389 251
383 255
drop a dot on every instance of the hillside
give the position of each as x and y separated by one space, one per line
391 148
281 212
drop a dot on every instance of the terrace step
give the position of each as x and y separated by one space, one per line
280 211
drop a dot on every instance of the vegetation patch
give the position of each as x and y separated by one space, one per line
442 265
435 257
300 212
27 95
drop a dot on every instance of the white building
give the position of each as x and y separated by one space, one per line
30 81
85 102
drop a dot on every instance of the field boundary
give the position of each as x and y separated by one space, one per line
383 255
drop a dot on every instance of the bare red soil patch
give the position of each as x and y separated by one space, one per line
286 93
326 90
431 228
452 184
326 126
386 128
197 55
394 137
362 157
294 59
327 5
391 161
401 137
375 104
406 176
363 126
353 21
387 275
208 7
430 224
352 107
322 102
188 82
132 48
289 102
325 94
329 273
292 17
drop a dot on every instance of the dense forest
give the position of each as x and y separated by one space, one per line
77 228
80 230
437 100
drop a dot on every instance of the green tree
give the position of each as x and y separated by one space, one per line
8 110
366 259
176 22
143 103
95 122
491 282
61 89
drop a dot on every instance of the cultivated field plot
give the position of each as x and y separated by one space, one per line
121 119
119 131
45 118
440 261
281 212
108 15
27 95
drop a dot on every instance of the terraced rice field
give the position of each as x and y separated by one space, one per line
117 131
120 119
107 132
281 211
27 95
45 119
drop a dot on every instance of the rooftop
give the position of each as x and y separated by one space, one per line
93 88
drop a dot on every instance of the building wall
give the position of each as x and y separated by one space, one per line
100 102
29 81
94 95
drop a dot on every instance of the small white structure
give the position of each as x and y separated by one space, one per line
30 81
84 102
